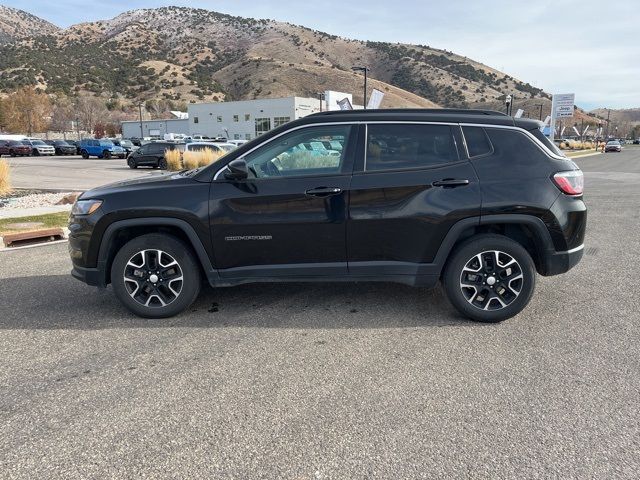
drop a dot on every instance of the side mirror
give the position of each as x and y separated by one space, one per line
236 170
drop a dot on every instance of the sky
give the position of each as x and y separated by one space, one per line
590 48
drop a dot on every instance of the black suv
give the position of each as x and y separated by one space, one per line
476 199
150 155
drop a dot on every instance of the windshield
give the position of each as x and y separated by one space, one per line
126 143
613 143
37 142
61 142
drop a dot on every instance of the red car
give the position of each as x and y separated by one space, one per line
4 147
17 147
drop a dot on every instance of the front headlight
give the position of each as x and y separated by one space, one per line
85 207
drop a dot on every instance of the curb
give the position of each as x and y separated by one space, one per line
44 244
584 155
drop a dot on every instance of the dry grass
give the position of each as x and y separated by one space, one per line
5 178
190 160
201 158
173 158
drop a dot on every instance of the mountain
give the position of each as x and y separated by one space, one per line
185 54
17 25
629 116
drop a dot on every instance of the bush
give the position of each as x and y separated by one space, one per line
173 159
5 178
190 160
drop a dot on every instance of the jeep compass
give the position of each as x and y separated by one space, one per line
476 200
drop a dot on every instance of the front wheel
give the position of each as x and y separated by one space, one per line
162 164
489 278
84 154
106 154
132 163
155 276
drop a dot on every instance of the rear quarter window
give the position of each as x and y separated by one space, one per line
477 141
515 145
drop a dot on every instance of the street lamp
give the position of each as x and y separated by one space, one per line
507 102
141 130
363 70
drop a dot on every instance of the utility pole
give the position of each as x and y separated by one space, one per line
321 97
364 70
606 136
539 105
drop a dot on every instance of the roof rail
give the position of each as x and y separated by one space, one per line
436 111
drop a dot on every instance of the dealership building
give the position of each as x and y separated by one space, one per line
241 120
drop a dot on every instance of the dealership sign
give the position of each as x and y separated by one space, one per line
561 107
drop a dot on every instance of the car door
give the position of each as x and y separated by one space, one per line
287 218
411 184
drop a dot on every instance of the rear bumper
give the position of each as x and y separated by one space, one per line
555 263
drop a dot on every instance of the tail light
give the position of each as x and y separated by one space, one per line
571 182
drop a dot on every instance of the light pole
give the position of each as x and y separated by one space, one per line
141 130
507 102
321 98
364 70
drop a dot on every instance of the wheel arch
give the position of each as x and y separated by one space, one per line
122 231
527 230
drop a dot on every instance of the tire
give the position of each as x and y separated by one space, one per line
141 271
84 154
162 164
474 263
106 154
12 153
35 152
132 164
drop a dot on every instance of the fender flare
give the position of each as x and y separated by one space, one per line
183 225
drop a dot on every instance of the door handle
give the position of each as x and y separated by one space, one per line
450 182
323 191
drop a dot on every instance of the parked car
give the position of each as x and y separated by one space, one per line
636 141
613 146
476 199
4 147
127 145
20 148
237 143
151 155
222 148
62 147
101 148
38 147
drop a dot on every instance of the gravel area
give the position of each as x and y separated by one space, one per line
30 199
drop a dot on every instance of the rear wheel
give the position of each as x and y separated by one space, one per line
84 154
162 164
155 276
489 278
12 153
106 154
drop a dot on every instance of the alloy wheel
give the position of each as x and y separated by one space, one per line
491 280
153 278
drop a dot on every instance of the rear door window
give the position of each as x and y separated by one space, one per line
408 146
477 142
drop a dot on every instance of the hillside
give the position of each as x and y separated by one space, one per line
185 54
16 25
630 116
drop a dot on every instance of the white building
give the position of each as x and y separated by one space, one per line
154 128
245 120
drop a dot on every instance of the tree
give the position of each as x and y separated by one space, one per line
90 111
99 130
27 110
63 114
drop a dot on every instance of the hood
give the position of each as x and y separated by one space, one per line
140 183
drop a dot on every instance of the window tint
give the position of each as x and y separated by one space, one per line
301 152
477 141
157 148
391 147
515 146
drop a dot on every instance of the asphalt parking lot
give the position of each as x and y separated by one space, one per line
309 381
70 173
